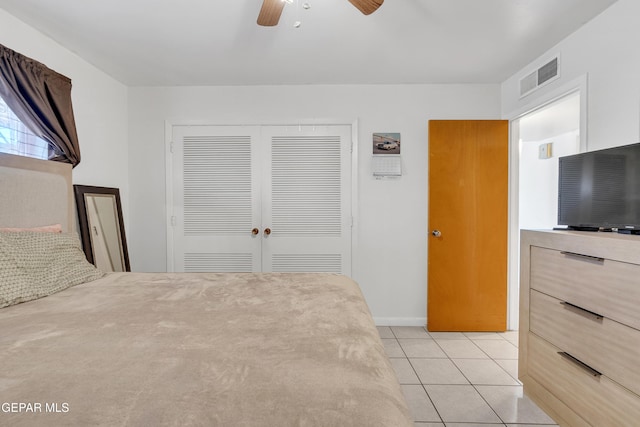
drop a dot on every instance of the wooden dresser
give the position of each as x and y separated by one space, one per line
580 326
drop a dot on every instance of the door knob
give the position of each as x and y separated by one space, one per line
436 233
255 231
267 231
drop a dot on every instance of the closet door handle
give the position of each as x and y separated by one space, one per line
255 231
585 257
267 231
581 364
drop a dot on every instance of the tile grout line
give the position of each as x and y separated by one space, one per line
418 377
494 360
469 380
475 386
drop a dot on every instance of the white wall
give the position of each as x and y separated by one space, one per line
396 289
99 105
606 50
539 180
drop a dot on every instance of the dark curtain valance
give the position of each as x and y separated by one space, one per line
41 98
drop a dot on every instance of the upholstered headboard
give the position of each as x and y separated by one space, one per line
35 193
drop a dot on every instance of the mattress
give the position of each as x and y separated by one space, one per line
198 349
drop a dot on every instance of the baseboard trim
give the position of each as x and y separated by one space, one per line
400 321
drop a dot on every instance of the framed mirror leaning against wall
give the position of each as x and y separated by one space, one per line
101 227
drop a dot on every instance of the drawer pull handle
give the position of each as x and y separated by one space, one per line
568 305
588 257
581 364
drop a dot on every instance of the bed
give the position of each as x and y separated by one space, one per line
184 349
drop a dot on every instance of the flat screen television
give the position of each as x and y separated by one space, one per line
600 189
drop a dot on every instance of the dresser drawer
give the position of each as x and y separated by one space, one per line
606 287
605 345
597 399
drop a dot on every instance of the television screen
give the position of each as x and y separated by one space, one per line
600 189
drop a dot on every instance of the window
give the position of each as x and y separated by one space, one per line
16 138
41 99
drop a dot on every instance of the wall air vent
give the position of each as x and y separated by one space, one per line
543 75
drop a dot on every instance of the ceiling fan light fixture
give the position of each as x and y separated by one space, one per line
367 7
272 9
270 12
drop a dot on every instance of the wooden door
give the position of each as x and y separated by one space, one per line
468 206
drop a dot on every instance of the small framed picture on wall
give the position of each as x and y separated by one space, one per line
386 143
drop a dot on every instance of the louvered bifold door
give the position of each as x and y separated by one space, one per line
216 199
307 201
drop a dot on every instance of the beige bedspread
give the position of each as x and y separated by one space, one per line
136 349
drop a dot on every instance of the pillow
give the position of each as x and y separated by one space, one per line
35 264
54 228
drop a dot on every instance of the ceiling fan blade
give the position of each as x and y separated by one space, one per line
367 6
270 12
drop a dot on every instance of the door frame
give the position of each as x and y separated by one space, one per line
579 84
168 143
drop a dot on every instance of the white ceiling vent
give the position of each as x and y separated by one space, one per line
543 75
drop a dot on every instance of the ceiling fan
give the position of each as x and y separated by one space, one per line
272 9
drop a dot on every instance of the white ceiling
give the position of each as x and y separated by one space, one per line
215 42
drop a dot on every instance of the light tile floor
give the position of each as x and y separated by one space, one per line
460 379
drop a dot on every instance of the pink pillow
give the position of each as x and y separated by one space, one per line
54 228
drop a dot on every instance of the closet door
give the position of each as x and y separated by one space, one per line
306 205
260 198
216 199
